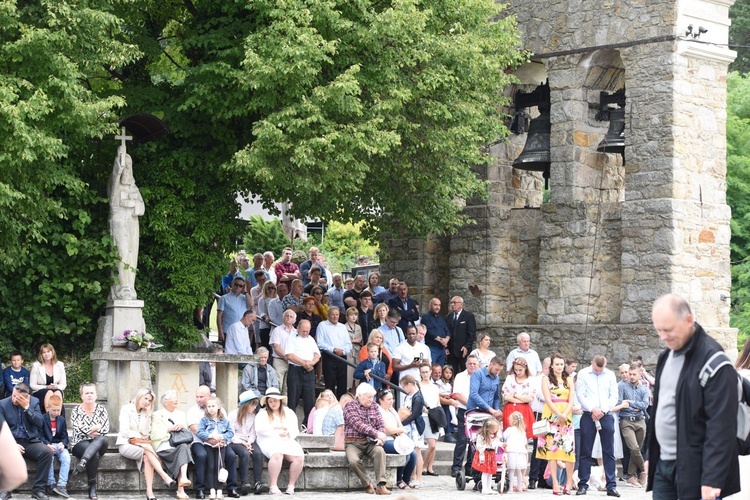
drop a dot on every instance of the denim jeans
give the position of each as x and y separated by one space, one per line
63 456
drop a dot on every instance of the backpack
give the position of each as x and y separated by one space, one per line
711 366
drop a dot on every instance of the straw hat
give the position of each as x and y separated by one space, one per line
247 396
273 393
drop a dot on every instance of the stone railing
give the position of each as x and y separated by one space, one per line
120 373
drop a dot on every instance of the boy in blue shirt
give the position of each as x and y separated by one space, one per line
55 436
15 373
371 366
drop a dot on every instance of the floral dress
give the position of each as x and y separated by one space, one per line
559 444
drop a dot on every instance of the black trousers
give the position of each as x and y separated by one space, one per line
301 384
39 453
461 442
334 374
456 361
201 467
92 450
243 459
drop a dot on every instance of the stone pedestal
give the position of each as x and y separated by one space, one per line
113 383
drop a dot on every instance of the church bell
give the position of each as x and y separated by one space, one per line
614 140
535 156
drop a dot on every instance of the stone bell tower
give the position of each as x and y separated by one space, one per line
579 266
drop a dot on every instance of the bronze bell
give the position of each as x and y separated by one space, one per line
535 156
614 141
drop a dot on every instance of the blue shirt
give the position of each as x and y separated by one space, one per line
234 307
12 377
336 297
484 391
636 394
392 337
436 327
332 337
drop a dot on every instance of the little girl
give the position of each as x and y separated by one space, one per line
515 447
216 432
485 460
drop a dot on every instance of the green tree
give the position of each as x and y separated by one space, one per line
739 35
738 197
54 249
351 110
263 235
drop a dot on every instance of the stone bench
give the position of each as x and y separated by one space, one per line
324 470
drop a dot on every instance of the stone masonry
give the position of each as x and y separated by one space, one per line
580 272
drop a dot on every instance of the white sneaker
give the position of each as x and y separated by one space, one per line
219 494
212 494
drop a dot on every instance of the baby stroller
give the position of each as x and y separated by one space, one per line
474 420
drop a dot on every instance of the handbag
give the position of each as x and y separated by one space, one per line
541 428
177 438
436 416
223 473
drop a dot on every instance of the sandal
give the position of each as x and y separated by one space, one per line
274 490
402 485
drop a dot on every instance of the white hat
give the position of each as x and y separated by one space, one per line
403 444
273 393
247 396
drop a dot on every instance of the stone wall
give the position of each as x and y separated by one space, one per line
581 270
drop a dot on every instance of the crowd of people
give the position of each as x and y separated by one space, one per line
392 381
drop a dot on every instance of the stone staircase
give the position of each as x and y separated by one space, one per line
324 470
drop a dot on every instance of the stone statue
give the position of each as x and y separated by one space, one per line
125 206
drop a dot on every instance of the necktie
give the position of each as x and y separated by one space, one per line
455 317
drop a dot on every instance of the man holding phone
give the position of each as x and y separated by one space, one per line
410 355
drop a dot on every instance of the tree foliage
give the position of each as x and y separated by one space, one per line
54 251
738 197
739 35
264 235
351 110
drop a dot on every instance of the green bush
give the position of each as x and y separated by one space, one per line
78 369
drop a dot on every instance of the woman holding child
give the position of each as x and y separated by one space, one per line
134 442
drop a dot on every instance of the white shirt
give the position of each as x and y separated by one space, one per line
596 391
279 336
462 385
237 339
537 404
406 353
194 416
531 357
303 347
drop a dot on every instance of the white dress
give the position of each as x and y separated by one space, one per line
596 451
268 434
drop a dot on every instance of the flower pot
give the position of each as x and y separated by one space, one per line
132 346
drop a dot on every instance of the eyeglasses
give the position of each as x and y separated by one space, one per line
317 293
238 285
271 288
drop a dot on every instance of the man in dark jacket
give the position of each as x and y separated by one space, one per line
692 444
462 329
21 411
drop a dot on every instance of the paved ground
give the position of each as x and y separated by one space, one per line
436 488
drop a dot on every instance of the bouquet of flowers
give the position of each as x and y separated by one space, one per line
142 339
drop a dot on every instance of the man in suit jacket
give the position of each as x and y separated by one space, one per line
405 305
463 332
21 411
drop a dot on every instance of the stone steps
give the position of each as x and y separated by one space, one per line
324 470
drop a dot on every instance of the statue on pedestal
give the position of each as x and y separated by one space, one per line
125 207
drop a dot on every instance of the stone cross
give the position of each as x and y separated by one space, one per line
123 144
